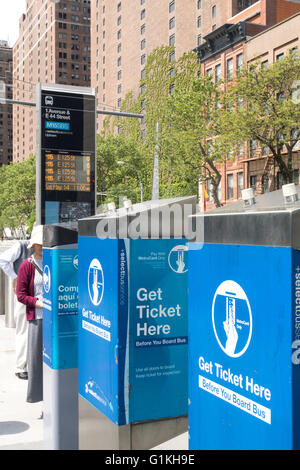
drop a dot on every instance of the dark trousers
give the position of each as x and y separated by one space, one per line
35 361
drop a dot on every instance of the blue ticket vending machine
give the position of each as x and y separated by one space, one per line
244 332
132 340
60 334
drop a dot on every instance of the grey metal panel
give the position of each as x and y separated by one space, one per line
96 432
268 222
149 212
60 408
147 435
264 202
56 235
295 228
264 228
9 303
2 292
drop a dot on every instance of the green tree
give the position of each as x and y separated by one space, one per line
197 139
17 194
265 108
114 180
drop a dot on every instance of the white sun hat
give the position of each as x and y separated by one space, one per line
36 236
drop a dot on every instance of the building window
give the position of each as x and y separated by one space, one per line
240 149
171 6
230 186
119 7
199 21
295 51
280 181
239 62
214 11
172 23
143 14
172 56
143 59
265 64
253 180
143 74
143 29
229 69
240 184
143 44
280 56
253 146
280 96
265 183
218 73
119 75
199 4
199 39
119 20
172 40
209 72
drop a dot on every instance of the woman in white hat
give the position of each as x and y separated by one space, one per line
30 293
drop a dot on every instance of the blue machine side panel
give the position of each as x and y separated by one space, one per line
296 348
123 332
98 324
61 308
48 310
240 323
158 329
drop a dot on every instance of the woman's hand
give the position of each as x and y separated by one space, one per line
39 304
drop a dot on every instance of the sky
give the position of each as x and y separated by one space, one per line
10 12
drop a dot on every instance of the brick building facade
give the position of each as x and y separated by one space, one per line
6 111
125 32
253 34
53 47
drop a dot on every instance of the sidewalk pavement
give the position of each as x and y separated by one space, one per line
20 428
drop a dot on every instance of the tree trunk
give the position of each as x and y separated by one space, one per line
215 181
285 170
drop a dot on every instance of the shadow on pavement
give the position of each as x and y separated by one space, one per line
12 427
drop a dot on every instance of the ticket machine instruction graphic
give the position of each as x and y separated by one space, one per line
231 300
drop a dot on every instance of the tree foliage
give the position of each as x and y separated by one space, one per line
266 108
115 181
17 194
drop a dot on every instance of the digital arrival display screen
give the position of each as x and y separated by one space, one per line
66 156
67 172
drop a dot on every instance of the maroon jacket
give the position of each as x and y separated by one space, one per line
25 288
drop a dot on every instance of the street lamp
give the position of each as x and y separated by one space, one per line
139 178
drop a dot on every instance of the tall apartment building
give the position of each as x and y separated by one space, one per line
6 112
53 47
125 32
264 31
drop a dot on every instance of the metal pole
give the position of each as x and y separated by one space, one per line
24 103
155 183
120 113
98 111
